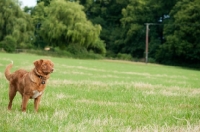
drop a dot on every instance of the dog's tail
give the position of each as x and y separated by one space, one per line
7 71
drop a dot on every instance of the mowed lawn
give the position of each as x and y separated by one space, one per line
105 96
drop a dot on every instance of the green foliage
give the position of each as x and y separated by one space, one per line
64 23
8 44
124 56
15 23
76 49
107 13
79 53
182 37
133 35
97 26
46 2
98 47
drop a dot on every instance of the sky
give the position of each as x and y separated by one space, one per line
28 2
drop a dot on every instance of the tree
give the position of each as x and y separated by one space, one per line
46 2
64 23
16 26
107 13
9 43
38 15
182 34
135 15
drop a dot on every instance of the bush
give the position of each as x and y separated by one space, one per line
151 60
122 56
9 44
110 54
55 52
63 53
98 47
76 49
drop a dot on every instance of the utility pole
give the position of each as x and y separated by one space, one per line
147 40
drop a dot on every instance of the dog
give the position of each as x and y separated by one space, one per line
31 84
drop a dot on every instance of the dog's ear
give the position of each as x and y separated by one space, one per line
38 62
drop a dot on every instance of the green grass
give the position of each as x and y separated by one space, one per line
105 95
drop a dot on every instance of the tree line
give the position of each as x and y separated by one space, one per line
107 27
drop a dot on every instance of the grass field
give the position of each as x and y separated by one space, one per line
105 96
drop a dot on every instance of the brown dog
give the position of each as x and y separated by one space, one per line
30 85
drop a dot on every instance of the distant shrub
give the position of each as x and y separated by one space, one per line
98 47
110 54
122 56
52 52
151 60
63 53
8 44
76 49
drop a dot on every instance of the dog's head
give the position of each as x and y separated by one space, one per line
44 67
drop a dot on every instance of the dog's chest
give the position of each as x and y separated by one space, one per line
39 89
36 94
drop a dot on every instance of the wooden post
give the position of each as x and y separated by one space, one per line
147 42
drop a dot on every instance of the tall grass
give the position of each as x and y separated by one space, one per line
105 95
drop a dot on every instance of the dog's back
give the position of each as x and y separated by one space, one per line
16 78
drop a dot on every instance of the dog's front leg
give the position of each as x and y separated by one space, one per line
25 102
36 103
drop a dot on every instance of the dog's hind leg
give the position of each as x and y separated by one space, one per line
12 93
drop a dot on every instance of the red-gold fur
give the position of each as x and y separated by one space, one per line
29 83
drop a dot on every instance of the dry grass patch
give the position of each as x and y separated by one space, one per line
154 128
82 68
103 103
63 96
